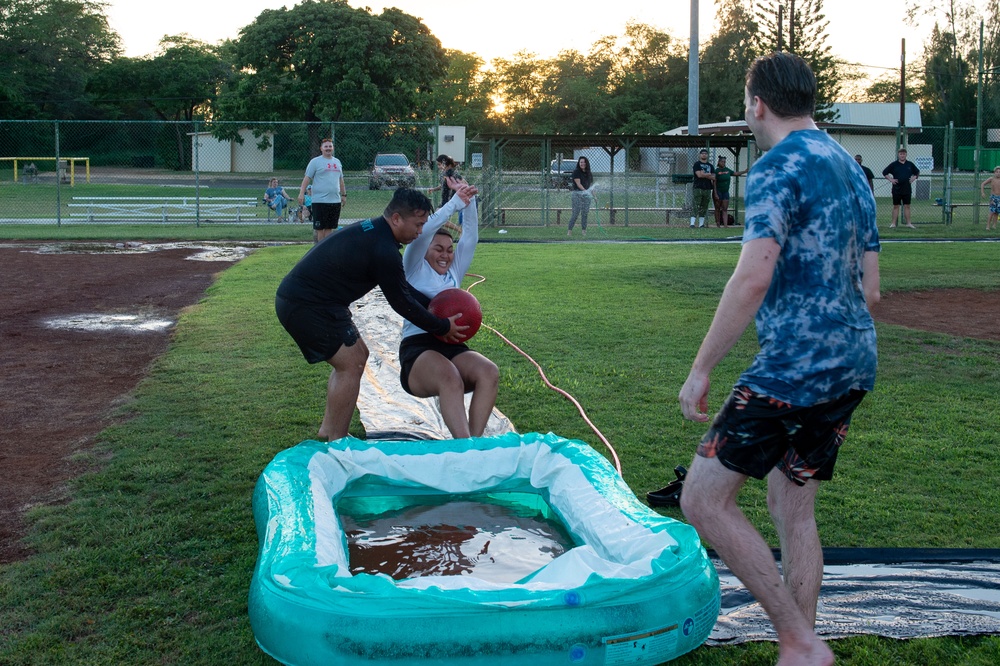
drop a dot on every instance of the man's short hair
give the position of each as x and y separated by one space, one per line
407 202
785 83
703 151
900 151
857 157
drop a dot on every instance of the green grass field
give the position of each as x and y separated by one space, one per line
150 562
516 200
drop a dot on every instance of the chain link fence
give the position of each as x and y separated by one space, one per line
56 172
79 172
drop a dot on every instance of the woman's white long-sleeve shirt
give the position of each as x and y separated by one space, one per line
419 273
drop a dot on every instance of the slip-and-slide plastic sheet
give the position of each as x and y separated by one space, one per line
909 600
387 411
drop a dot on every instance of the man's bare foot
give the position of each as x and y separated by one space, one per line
910 226
816 653
892 226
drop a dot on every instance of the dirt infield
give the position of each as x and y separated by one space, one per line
64 373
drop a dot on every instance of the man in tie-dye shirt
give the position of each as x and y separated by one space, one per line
807 274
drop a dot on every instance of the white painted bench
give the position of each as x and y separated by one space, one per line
164 208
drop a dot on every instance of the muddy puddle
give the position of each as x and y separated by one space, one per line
454 537
206 251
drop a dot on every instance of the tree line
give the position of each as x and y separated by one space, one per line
323 60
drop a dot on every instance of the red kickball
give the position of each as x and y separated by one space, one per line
452 301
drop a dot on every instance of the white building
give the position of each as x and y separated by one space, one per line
866 129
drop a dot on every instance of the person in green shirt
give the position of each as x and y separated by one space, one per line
723 177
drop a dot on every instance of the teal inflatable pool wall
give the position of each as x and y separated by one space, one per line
637 589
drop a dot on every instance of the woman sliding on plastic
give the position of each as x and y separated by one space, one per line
430 367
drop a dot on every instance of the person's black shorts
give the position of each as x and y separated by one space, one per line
318 331
900 196
325 215
753 433
415 345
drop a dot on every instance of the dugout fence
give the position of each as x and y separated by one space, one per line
85 172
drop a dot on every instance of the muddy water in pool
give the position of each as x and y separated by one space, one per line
456 537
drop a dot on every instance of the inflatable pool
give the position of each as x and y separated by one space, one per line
631 586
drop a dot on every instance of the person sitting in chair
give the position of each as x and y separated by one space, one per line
276 197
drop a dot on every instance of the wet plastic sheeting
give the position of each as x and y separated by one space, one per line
894 600
387 411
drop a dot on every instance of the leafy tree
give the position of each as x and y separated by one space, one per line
950 61
463 96
725 61
49 49
647 73
803 33
517 84
323 60
948 92
179 83
884 89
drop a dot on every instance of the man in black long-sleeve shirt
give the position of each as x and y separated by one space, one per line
313 300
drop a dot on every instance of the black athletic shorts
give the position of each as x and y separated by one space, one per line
415 345
753 433
325 215
318 331
901 196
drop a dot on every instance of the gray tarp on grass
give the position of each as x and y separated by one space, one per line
894 600
908 600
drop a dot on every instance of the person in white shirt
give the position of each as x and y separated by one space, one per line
326 176
430 367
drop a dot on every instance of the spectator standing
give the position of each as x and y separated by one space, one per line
448 168
807 273
994 183
313 300
868 173
723 177
581 180
702 188
902 174
326 175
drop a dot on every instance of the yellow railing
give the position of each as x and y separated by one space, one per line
70 160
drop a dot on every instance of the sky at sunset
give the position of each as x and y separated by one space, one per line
860 31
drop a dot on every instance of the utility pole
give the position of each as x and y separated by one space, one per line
693 73
791 27
901 140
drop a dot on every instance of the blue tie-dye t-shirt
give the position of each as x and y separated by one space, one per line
817 338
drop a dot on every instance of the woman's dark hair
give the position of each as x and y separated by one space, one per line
446 160
586 163
445 232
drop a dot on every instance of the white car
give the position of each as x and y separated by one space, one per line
391 169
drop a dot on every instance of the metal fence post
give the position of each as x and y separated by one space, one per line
58 180
197 184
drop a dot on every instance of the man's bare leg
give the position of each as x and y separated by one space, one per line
895 217
342 390
792 508
709 502
906 216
